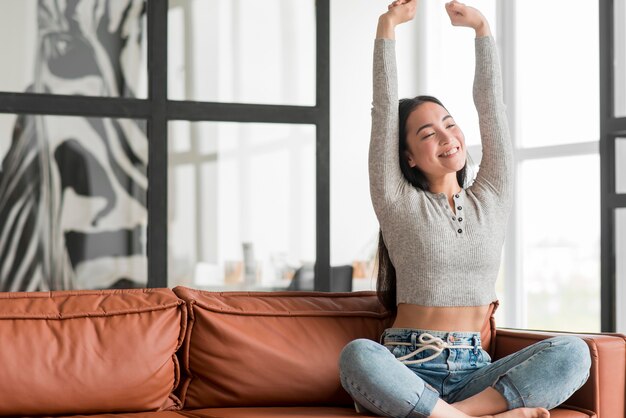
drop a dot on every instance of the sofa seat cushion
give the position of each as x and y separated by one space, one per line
276 412
321 412
283 412
272 349
86 352
159 414
571 413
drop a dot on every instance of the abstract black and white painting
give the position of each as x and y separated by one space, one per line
73 189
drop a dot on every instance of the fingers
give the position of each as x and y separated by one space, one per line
398 3
454 3
454 7
462 15
400 11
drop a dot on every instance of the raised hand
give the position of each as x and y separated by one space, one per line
401 11
398 12
467 16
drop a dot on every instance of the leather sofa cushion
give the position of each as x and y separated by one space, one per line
88 352
153 414
323 412
287 412
272 349
278 412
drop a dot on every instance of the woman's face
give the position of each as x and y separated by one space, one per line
435 144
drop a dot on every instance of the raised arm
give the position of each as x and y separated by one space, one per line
496 168
386 179
462 15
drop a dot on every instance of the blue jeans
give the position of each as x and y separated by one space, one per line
544 374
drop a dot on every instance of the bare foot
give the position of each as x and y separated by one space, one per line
522 413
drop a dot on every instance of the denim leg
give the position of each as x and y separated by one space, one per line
383 385
544 374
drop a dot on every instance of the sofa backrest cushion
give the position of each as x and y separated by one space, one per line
272 349
81 352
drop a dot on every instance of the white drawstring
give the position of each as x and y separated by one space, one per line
426 342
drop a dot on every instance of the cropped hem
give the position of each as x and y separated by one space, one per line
507 389
425 404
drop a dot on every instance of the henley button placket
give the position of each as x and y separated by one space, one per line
458 208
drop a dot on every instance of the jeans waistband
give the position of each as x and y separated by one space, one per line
411 335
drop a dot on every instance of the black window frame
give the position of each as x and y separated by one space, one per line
611 127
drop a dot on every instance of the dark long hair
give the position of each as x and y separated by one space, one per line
386 282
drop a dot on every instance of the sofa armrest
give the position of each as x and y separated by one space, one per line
605 390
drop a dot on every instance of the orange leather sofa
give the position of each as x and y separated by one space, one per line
160 353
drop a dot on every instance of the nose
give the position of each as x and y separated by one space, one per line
446 138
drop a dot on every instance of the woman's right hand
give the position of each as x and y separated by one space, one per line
401 11
398 12
462 15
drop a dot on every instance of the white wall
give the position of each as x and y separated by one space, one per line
353 223
354 227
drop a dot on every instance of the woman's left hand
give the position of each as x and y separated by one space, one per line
462 15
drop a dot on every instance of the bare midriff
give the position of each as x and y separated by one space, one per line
436 318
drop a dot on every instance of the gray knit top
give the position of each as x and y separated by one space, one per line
442 258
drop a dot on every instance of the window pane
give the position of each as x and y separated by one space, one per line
243 51
74 48
620 57
560 242
241 204
620 165
620 267
557 74
72 203
354 227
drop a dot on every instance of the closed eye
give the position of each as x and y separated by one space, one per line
428 135
452 125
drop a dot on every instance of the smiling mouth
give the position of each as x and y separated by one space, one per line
450 153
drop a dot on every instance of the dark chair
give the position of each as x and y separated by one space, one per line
340 278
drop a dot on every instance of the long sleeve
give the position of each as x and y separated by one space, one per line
495 175
386 179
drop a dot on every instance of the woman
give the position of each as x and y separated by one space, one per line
439 255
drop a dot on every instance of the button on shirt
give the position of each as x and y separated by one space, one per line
459 206
458 200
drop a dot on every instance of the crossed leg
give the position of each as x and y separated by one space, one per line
382 385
